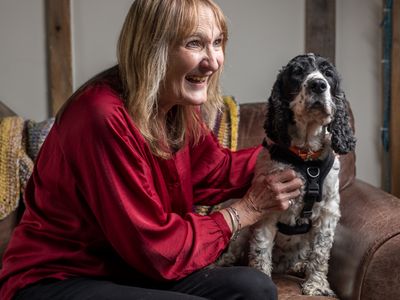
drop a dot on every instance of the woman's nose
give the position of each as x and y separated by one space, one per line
211 60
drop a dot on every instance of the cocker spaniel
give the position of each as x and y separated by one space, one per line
307 126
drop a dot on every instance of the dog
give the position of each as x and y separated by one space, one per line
307 126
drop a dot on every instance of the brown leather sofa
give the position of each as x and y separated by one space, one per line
365 259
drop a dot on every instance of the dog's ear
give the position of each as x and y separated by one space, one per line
343 140
278 114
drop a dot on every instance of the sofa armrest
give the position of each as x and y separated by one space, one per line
365 260
5 111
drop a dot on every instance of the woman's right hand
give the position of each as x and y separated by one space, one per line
267 193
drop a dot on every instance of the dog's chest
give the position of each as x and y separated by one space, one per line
328 204
285 242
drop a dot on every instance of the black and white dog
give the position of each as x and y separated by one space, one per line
307 127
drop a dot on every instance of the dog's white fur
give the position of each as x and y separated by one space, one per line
269 250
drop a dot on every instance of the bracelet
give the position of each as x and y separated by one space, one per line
235 219
233 222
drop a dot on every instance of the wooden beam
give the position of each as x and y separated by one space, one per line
59 52
320 27
395 102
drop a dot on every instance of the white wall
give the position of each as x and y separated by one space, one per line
264 35
96 25
358 56
23 57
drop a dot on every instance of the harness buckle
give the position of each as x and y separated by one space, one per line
313 189
306 214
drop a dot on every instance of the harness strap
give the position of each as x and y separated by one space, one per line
314 171
292 230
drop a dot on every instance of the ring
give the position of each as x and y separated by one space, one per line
291 202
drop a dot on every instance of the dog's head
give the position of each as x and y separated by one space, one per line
307 91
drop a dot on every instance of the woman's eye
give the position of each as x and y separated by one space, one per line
218 42
193 44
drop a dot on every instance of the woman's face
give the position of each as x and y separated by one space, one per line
191 64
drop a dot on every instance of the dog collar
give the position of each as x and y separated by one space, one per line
306 154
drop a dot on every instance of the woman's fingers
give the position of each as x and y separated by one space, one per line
283 186
284 181
274 191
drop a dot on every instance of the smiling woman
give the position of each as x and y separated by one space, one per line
193 63
110 216
195 47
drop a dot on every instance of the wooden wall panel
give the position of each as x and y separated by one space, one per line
321 27
395 102
59 52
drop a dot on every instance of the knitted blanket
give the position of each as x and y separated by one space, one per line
225 127
20 141
15 165
227 124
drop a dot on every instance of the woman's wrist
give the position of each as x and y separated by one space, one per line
247 212
235 220
241 214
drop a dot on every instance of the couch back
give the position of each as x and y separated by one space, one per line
251 133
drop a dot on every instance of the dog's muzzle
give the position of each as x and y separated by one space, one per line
317 86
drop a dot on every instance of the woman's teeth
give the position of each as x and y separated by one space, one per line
196 79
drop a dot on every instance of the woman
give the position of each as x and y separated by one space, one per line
109 205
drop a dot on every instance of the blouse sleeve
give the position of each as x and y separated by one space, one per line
111 166
224 174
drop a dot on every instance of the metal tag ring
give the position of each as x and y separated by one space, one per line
312 175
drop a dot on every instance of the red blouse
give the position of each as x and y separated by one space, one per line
100 204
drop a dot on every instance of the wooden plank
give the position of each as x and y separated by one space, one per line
321 27
59 52
395 102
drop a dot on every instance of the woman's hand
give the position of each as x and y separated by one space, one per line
267 193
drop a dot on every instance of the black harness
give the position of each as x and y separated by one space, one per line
314 171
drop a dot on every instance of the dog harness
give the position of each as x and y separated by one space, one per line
314 171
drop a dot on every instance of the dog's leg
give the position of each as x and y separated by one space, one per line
316 283
261 244
290 254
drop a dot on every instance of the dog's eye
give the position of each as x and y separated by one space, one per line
328 73
297 71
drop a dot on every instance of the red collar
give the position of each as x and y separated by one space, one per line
305 154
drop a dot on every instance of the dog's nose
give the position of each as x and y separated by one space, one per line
317 85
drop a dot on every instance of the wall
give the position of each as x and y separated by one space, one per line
358 56
23 57
264 35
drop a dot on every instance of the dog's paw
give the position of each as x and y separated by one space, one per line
261 265
226 260
298 267
311 288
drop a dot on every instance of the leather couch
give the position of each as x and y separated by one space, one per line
365 258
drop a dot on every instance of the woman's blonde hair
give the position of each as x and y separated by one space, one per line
150 30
